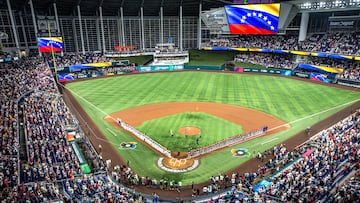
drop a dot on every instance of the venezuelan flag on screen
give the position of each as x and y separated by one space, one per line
253 19
49 44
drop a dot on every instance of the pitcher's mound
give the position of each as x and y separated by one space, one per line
188 130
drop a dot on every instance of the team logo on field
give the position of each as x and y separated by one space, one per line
239 152
128 145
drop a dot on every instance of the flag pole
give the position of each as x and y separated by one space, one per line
52 54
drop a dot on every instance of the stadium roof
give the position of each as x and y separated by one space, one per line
112 7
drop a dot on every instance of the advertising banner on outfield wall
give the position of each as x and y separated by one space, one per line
350 83
302 74
263 70
319 77
160 68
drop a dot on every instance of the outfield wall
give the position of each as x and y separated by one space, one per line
66 76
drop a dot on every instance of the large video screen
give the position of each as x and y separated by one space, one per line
253 19
50 44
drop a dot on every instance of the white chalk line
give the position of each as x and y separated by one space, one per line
269 140
112 132
313 115
106 114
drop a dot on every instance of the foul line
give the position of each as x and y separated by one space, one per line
313 115
269 141
112 132
92 131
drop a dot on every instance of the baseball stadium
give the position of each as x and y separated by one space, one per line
194 101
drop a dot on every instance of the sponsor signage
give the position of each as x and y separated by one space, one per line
261 70
350 83
302 75
160 68
342 23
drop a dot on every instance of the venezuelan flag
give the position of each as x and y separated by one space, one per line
253 19
49 44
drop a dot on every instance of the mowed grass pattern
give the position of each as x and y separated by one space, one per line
291 100
212 130
282 97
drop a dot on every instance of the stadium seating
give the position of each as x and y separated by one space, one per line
52 170
339 43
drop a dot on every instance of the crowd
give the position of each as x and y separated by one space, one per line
348 44
4 55
96 188
312 170
257 41
50 159
68 59
349 192
16 79
339 43
351 74
267 60
334 63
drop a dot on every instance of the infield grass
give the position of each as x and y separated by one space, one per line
297 102
212 130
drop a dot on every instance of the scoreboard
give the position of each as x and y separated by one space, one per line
243 18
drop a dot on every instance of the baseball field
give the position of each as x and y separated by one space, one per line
220 105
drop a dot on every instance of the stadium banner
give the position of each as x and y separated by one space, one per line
302 53
50 44
266 50
120 63
323 69
260 50
253 19
65 77
79 67
63 69
238 69
319 77
281 51
216 48
357 58
301 74
160 68
262 70
239 49
350 83
8 59
318 54
341 57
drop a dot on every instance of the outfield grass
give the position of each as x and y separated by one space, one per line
299 103
212 130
